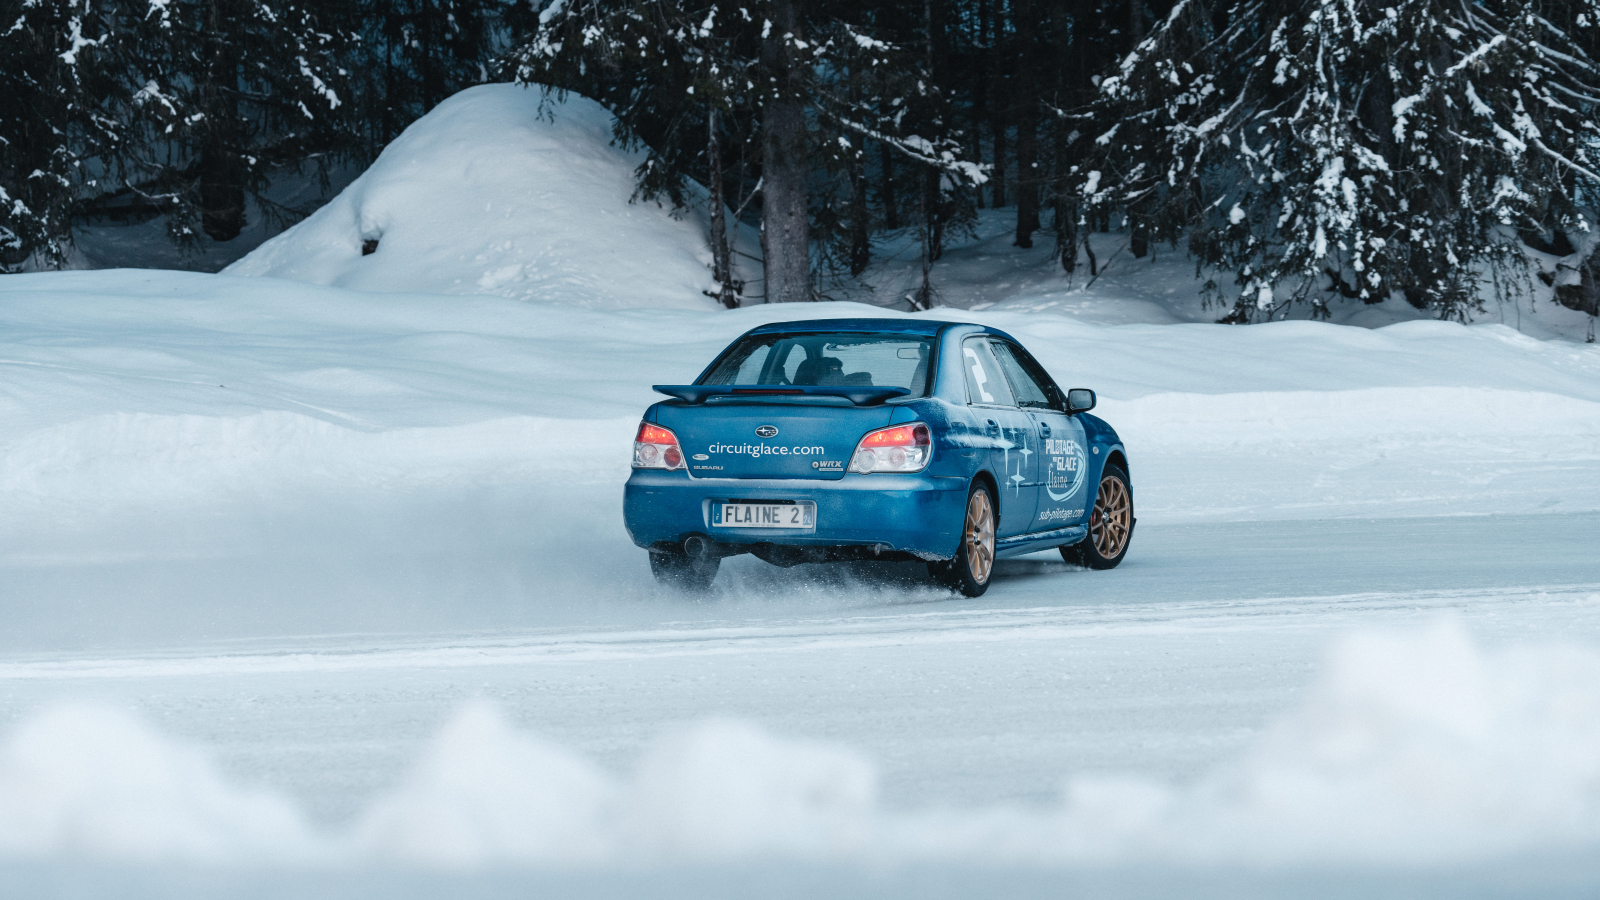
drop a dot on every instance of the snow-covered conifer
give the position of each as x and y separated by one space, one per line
55 63
412 54
797 90
224 92
1364 148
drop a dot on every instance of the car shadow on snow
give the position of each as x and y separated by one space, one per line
854 585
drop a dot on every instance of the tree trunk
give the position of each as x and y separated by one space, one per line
860 218
1139 238
721 258
1064 201
980 89
221 192
997 110
1067 232
1138 224
923 297
1027 119
933 207
427 39
221 170
785 243
886 195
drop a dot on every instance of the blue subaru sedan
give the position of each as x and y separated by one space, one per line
886 439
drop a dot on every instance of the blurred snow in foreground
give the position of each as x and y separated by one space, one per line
1411 747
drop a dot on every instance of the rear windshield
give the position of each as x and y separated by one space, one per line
840 359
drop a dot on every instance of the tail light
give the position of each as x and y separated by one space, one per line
655 447
898 448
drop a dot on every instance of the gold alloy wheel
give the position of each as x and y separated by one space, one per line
980 536
1109 524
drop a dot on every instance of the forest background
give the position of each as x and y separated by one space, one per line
1299 151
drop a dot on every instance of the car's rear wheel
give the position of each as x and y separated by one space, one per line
969 572
1110 524
677 569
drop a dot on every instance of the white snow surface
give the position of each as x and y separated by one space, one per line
497 192
1411 746
210 478
184 398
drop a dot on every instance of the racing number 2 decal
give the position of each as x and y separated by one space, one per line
978 375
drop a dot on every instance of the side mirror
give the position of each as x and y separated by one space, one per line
1079 400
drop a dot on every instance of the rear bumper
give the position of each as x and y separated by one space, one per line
916 514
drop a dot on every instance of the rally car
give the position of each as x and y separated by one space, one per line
886 439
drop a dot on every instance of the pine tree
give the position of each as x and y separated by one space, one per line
1317 146
412 54
54 127
227 92
798 89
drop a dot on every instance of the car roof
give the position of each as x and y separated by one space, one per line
886 326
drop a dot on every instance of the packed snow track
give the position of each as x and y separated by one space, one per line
317 593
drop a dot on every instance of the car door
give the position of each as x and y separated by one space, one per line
1014 452
1063 460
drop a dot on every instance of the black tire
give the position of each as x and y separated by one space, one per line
972 568
1110 524
678 570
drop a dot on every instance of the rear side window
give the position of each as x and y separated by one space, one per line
1029 392
985 385
842 360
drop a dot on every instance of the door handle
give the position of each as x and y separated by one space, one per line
994 427
1044 429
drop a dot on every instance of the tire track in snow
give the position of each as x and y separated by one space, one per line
820 635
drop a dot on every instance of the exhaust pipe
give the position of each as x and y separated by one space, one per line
698 546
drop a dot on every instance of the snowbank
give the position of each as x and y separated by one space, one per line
722 788
1423 745
483 196
94 781
1411 747
484 792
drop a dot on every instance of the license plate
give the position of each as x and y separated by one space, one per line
764 515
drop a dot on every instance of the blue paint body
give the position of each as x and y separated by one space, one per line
1042 464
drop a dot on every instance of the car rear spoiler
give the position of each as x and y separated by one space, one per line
860 396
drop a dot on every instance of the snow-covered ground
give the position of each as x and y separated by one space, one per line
363 551
321 589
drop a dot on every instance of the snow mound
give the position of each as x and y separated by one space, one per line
485 792
1428 741
723 788
95 781
1410 747
483 196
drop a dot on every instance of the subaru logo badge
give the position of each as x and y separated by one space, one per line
767 431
